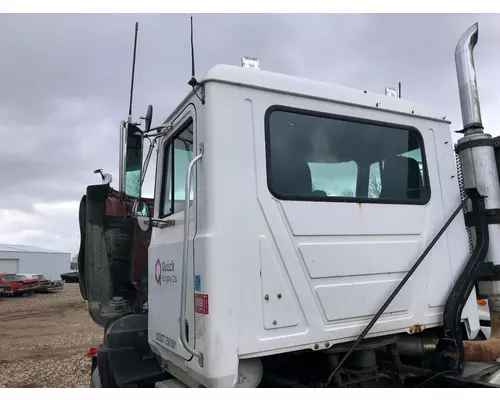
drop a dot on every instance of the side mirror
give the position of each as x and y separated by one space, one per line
132 143
148 118
140 212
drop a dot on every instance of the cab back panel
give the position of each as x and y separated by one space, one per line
337 262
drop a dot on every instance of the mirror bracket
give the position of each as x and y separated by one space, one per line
158 223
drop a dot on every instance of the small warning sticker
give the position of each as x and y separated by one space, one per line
201 303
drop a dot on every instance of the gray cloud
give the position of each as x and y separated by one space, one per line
65 83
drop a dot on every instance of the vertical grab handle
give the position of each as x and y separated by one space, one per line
185 259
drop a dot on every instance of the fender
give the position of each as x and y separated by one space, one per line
113 256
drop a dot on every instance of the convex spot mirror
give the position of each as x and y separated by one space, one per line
140 212
148 118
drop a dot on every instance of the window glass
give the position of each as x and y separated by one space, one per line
179 153
343 185
320 157
375 179
167 208
11 278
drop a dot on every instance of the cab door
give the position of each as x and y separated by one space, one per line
166 248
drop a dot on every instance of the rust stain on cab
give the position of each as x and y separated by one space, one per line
416 328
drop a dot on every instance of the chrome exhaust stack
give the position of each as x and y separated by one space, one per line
477 153
467 84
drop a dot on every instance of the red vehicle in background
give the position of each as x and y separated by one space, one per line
18 284
5 290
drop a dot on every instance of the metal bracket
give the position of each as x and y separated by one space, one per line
492 216
473 143
487 271
158 223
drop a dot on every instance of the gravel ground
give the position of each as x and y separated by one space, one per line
43 340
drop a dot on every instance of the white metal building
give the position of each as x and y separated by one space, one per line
16 258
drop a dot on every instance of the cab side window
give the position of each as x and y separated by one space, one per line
178 154
329 158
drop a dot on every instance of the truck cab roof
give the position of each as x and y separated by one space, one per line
287 84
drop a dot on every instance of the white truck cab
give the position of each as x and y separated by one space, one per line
286 212
308 206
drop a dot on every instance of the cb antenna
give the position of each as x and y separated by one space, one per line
133 74
193 82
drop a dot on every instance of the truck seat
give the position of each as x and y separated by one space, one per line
401 179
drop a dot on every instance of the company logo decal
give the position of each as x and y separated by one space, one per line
165 272
158 272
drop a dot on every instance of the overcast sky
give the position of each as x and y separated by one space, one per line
65 82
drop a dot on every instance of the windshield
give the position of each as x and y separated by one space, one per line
12 278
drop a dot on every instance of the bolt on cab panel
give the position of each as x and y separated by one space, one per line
310 204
